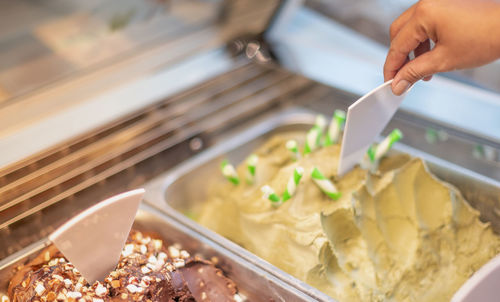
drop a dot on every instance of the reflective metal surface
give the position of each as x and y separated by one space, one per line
173 191
38 193
44 42
253 283
179 54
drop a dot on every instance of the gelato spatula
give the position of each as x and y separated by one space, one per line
93 240
483 285
366 118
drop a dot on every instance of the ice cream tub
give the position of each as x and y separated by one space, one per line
254 284
181 191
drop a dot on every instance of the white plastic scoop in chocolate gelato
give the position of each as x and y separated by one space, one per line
93 240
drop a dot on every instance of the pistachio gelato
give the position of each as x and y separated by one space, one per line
399 234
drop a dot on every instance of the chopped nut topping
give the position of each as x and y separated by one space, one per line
151 266
179 263
143 262
159 265
74 295
122 272
162 256
133 280
145 282
39 289
61 297
128 250
115 283
157 244
145 240
173 251
132 288
100 290
67 283
57 277
53 262
169 267
184 254
51 296
68 267
152 259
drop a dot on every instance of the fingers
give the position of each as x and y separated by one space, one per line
401 21
421 67
408 39
421 49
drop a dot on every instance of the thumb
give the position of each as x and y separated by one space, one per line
419 68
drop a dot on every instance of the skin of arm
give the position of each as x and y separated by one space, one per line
466 34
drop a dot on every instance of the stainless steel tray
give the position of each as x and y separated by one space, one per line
183 189
253 283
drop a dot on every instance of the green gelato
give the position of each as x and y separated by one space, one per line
397 235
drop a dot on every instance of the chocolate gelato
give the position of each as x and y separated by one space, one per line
147 271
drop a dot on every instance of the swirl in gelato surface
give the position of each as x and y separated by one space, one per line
399 234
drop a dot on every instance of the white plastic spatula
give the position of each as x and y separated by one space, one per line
93 240
366 118
483 286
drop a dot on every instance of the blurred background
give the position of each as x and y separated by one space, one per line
43 41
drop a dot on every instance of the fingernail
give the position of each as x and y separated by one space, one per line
401 87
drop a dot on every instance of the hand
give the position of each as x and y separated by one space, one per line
466 34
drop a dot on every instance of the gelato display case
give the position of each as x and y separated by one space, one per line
100 97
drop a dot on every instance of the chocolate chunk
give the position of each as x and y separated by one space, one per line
206 282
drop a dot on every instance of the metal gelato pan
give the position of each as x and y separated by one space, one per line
253 283
173 193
